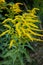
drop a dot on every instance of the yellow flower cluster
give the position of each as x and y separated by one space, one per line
15 7
25 27
2 1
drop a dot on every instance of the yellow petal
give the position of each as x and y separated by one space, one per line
36 29
4 33
19 3
17 29
35 39
11 43
8 26
34 33
9 20
26 34
29 36
33 25
2 1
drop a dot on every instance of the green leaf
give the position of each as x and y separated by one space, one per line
20 58
27 56
29 46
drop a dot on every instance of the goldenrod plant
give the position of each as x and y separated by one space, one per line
16 33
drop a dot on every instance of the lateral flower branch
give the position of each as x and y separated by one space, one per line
24 26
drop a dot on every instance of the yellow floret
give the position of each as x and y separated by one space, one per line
1 1
11 43
4 33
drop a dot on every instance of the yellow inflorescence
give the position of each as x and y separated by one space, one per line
11 43
2 1
4 33
15 7
24 27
